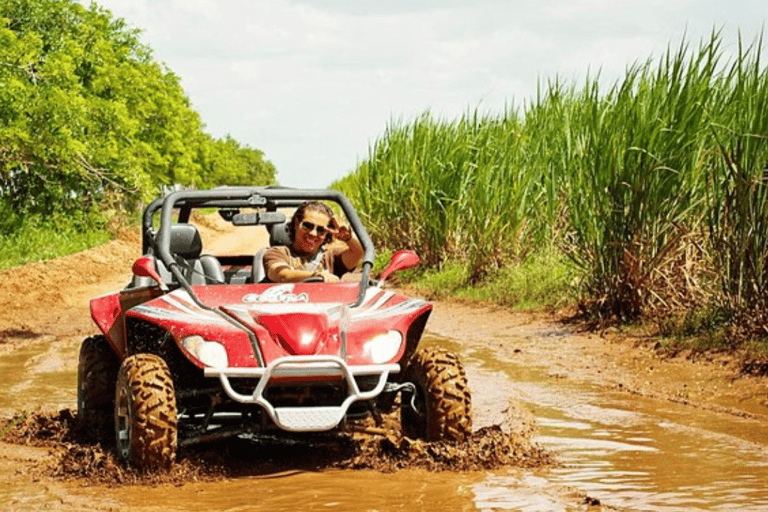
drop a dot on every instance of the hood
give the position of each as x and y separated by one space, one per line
287 320
294 329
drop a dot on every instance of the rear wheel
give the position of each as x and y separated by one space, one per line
442 400
96 377
145 413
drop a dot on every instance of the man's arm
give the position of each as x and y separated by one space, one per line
354 253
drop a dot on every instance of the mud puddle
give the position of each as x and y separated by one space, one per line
49 460
618 449
41 373
612 450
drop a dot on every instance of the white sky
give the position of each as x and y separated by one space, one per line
314 83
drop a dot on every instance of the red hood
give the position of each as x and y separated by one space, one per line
286 319
295 329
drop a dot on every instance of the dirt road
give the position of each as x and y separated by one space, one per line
522 367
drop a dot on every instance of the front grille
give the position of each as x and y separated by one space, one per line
306 395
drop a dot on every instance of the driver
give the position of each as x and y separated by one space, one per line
310 255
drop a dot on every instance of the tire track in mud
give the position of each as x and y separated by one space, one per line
80 452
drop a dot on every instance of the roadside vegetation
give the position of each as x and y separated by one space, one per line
90 126
644 201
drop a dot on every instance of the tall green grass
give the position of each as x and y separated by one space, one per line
738 187
449 189
35 239
654 186
636 180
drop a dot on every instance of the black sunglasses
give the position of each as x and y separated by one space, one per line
309 227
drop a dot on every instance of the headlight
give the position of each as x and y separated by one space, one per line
383 347
210 353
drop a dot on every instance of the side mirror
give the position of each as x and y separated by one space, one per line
400 260
145 267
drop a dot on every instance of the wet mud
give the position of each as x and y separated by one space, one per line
79 452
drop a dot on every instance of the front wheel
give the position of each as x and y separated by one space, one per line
96 377
442 399
145 413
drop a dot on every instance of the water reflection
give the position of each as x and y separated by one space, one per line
627 451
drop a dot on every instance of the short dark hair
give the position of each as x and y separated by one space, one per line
298 215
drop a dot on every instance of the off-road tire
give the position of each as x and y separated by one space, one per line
96 378
443 399
145 413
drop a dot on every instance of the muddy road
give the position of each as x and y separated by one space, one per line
625 429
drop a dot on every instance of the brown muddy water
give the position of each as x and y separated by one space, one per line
627 451
613 451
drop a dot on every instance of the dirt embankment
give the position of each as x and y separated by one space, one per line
47 298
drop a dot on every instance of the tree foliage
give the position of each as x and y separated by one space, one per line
89 120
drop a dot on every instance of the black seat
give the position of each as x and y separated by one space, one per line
196 268
278 235
186 246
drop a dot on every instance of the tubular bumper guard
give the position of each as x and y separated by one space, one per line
305 419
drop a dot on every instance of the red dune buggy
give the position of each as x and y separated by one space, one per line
197 347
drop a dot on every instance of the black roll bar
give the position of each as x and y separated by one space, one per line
234 197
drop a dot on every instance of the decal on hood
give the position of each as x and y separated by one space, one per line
281 294
178 306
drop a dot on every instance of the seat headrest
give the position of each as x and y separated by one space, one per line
185 241
278 235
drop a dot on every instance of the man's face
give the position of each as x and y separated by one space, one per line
310 231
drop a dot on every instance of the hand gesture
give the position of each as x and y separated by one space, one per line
338 231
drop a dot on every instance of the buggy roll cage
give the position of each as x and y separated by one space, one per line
268 198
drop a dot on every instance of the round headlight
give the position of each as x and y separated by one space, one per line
383 347
210 353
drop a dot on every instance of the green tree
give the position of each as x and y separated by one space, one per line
88 120
228 161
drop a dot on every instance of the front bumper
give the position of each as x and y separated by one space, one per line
305 419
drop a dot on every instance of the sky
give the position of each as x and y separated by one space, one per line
313 84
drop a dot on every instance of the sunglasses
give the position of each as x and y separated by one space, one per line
309 227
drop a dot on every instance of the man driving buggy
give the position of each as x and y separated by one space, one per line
311 255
